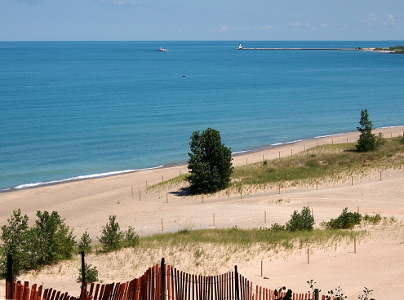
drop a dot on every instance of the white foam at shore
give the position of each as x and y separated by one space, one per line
82 177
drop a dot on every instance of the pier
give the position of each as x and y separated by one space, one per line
334 49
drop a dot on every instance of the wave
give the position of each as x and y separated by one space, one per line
76 178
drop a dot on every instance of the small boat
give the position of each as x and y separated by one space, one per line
163 50
240 47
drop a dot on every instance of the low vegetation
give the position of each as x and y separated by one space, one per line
396 49
321 164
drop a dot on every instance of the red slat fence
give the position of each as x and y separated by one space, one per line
161 283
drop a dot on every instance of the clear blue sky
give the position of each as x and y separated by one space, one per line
238 20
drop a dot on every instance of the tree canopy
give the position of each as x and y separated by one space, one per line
367 140
210 162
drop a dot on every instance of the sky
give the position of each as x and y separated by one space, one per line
200 20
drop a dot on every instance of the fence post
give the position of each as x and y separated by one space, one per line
163 282
10 277
83 270
316 292
236 283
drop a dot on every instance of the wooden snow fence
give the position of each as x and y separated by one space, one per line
18 291
161 283
178 285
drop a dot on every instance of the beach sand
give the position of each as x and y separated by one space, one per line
86 205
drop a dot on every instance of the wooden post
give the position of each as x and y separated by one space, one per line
332 141
355 245
358 209
352 180
308 255
261 268
246 161
162 225
167 197
291 152
279 154
241 193
163 281
202 199
391 135
236 283
380 176
347 140
265 216
9 278
132 191
279 187
83 271
146 185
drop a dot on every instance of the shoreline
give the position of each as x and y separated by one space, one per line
78 178
86 205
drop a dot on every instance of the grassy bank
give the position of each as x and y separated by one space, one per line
318 165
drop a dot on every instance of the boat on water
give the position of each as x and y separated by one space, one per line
163 49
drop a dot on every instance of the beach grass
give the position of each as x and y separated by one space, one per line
322 163
245 238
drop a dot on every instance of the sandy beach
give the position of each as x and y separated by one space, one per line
86 205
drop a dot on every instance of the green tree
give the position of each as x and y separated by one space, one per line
301 221
367 140
210 162
14 238
51 239
112 237
85 243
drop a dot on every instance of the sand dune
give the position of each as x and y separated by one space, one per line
85 206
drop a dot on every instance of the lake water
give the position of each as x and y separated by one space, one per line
85 109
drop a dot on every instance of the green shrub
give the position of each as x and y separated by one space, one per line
301 221
131 239
47 242
15 242
376 219
112 237
277 227
346 220
51 239
91 274
85 243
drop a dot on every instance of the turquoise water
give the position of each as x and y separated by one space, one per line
72 109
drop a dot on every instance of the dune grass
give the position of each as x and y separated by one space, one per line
321 164
327 162
243 238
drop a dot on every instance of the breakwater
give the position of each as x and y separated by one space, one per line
334 49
